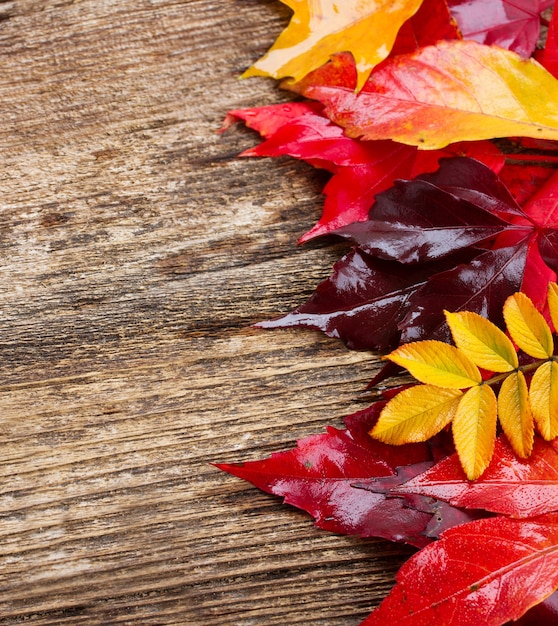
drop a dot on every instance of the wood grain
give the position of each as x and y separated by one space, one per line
135 253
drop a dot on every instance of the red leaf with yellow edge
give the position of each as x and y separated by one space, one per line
509 486
485 572
514 413
474 429
365 28
452 91
431 23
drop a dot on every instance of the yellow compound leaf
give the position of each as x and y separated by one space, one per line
474 429
437 363
543 397
515 414
482 341
553 303
319 28
416 414
528 327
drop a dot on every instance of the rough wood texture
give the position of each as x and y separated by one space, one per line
136 252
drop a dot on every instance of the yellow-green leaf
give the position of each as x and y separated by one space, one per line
553 303
365 28
515 414
474 429
528 327
543 397
482 341
437 363
416 414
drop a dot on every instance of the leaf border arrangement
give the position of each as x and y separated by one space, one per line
442 153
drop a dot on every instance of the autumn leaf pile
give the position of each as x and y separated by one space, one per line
438 122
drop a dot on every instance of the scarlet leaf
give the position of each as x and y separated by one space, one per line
360 169
318 474
548 57
408 98
485 572
510 486
509 24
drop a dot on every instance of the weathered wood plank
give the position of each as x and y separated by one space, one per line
136 252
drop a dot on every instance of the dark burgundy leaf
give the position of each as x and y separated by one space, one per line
481 286
422 222
543 614
443 515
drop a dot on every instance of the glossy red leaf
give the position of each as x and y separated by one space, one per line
361 169
318 474
511 24
510 486
543 614
548 56
486 572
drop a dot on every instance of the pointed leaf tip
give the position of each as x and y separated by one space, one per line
437 363
482 341
528 327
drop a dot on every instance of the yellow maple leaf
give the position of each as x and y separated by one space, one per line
483 342
320 28
528 327
416 414
437 363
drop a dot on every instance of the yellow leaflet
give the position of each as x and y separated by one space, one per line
553 303
319 28
416 414
437 363
482 341
528 327
543 397
474 429
515 414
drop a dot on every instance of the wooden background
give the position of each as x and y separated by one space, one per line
136 251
